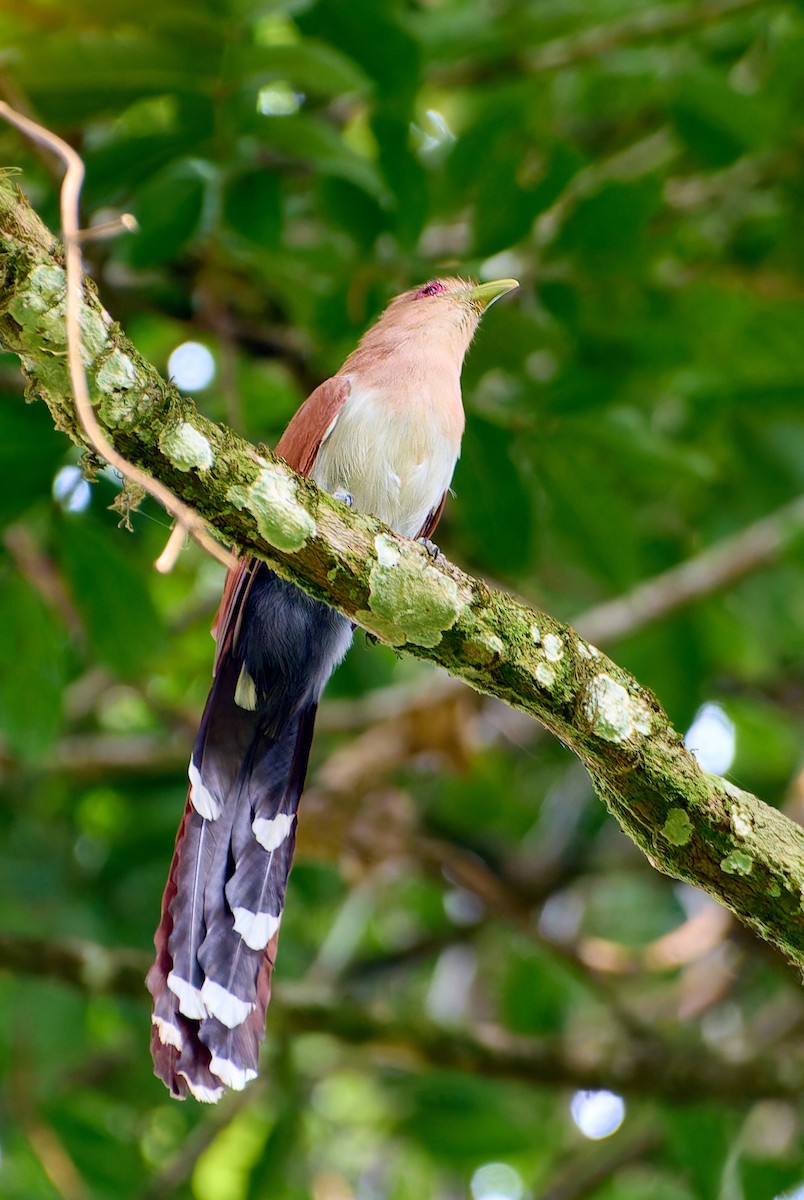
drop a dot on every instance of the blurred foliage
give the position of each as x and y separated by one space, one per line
292 164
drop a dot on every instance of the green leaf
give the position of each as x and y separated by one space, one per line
538 993
252 206
764 1179
496 521
386 51
308 139
32 669
718 122
70 77
610 224
108 586
354 210
31 451
405 174
699 1144
313 67
464 1118
168 209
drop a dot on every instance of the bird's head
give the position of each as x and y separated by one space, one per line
442 304
439 317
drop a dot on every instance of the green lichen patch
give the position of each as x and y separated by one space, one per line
116 373
545 674
612 712
483 649
408 593
94 327
385 630
553 647
272 501
677 829
119 386
737 863
186 447
45 290
741 821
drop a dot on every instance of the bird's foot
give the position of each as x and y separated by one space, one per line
432 549
344 497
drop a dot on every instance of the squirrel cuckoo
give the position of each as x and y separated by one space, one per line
383 434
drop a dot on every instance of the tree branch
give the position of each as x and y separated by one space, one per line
679 1071
649 25
691 825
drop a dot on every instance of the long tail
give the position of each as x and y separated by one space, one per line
216 941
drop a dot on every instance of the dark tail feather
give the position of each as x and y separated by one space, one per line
216 941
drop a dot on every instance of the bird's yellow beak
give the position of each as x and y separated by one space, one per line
483 295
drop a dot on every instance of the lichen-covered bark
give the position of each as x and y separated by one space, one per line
691 825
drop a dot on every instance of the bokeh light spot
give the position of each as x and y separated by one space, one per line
278 100
597 1114
191 366
712 739
496 1181
71 490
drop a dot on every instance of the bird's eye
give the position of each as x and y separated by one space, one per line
431 289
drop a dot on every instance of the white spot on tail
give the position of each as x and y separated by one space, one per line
201 797
272 833
246 691
204 1094
233 1076
190 999
228 1008
256 929
169 1034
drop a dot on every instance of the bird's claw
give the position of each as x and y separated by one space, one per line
432 549
344 497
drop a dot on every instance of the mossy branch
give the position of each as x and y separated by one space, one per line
690 825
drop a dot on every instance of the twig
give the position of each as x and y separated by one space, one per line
179 1167
45 1143
87 965
43 575
644 26
648 25
125 223
589 1170
679 1071
69 200
173 547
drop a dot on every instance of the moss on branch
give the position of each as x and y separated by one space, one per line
691 825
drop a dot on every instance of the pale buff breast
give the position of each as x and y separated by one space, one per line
395 457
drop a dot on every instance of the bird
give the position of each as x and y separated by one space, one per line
383 435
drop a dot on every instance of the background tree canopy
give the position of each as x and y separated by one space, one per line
470 945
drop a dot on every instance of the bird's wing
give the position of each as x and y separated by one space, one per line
433 517
299 446
312 424
230 610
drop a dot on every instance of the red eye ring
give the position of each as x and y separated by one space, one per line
431 289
